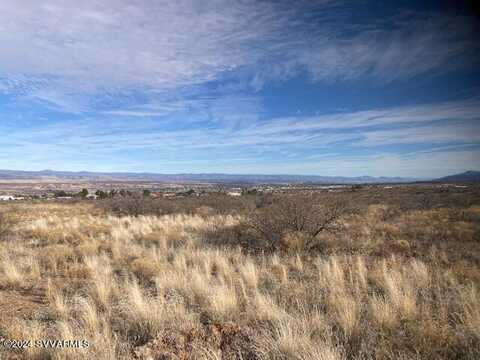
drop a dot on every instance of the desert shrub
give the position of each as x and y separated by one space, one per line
6 224
212 204
381 213
136 205
216 203
238 235
296 219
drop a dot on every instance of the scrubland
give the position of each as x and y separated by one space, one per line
377 282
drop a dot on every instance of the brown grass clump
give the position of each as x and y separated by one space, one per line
12 275
18 272
145 268
6 224
380 283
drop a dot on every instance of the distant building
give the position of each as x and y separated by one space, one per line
10 197
234 193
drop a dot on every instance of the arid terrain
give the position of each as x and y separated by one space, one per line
366 273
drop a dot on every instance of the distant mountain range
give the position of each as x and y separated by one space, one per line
208 178
469 176
465 177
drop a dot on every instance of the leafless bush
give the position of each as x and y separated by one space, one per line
306 216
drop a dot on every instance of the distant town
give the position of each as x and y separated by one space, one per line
18 190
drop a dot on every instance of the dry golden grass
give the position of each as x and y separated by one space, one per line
151 288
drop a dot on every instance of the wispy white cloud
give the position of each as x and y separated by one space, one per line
436 127
55 49
372 121
403 50
178 82
135 113
431 134
421 165
117 43
449 122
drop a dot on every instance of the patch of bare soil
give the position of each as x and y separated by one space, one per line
229 339
25 303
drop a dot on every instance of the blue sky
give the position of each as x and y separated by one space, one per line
307 87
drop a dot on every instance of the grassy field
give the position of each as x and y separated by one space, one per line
384 281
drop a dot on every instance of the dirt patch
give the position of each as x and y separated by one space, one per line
228 341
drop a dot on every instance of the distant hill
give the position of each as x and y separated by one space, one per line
467 176
207 178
